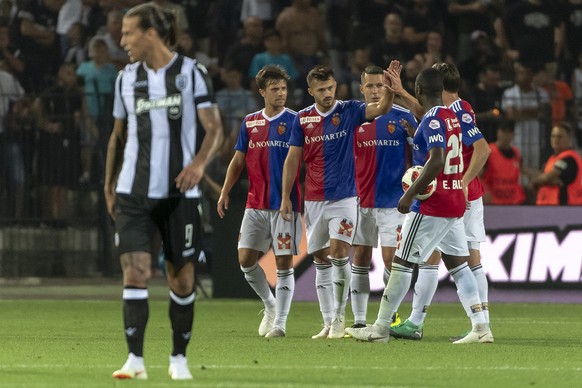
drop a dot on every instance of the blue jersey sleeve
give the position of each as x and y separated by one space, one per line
468 127
434 134
296 138
242 143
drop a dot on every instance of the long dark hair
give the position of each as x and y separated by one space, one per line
153 16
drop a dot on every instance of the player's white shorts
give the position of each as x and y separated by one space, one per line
325 220
474 224
261 229
378 221
422 234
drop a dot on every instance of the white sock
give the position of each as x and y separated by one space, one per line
283 295
424 289
341 274
257 279
483 287
468 293
394 293
324 291
360 293
386 276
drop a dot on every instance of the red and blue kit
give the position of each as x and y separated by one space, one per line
328 149
265 141
471 134
381 149
440 128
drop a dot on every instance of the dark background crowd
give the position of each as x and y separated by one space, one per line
519 60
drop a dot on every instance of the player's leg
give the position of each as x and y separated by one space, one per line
181 230
366 238
342 220
389 222
455 254
424 290
287 237
134 229
318 246
475 231
255 237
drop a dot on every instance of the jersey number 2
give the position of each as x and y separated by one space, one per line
455 150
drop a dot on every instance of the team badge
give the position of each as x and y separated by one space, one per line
335 120
346 227
284 241
282 128
391 128
181 81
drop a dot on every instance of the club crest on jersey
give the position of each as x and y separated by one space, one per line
181 81
335 120
391 128
284 241
282 128
346 227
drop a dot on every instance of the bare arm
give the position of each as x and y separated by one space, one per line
405 98
191 175
232 173
481 152
113 163
551 178
289 174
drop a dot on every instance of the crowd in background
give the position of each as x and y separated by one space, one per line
520 60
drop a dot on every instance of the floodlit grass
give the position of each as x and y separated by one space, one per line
79 343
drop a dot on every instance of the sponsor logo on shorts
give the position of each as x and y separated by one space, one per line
346 227
284 241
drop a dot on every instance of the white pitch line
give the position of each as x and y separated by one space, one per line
317 367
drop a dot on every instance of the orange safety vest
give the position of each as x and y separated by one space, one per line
550 195
501 178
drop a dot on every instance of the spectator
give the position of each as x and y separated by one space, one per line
486 99
188 46
72 11
561 95
13 170
234 101
112 37
99 76
77 38
59 111
301 28
502 172
272 56
241 53
530 32
528 106
34 30
263 9
471 16
411 69
483 53
572 32
392 46
434 51
419 21
561 181
577 89
9 55
349 82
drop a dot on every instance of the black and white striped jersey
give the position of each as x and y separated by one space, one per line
160 111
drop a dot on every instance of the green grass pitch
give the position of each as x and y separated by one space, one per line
79 343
